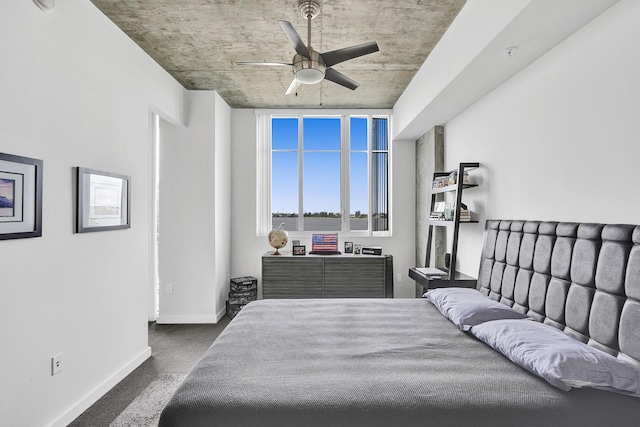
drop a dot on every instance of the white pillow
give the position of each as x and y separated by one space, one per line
561 360
467 307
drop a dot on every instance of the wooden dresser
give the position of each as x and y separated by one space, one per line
327 276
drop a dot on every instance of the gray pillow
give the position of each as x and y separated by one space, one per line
561 360
468 307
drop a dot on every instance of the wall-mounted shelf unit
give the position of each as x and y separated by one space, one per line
455 213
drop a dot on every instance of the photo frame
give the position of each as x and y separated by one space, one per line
20 197
299 250
357 249
439 206
103 201
348 247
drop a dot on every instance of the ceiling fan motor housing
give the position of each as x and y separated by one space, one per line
309 70
309 9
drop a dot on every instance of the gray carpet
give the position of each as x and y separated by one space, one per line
145 409
175 349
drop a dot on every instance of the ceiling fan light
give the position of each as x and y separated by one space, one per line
309 76
309 71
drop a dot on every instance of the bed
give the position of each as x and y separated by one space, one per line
380 362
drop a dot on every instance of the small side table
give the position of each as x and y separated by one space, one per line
425 282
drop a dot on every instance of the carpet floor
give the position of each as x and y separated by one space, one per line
145 409
175 349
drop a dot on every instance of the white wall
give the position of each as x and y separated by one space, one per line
559 141
247 248
193 252
74 92
421 105
470 60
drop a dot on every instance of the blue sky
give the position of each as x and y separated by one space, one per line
321 165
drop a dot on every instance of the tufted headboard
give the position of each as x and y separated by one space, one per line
584 279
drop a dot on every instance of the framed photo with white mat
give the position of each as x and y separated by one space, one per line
20 197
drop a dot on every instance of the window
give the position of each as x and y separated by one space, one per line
324 173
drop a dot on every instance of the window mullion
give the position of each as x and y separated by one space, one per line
345 178
300 173
369 172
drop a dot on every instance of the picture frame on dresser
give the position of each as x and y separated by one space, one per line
20 197
299 250
357 249
103 201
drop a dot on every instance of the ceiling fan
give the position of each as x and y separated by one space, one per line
311 67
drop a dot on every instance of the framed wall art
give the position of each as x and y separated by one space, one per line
103 201
20 197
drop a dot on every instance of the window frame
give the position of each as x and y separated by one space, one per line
264 175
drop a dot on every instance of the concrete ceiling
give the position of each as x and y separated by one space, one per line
199 42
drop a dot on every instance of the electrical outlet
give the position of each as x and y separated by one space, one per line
169 288
399 277
56 364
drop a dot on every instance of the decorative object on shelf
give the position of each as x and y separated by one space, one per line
278 239
295 243
465 215
451 179
299 250
103 201
20 197
448 212
372 250
348 247
441 181
357 249
438 211
465 179
446 180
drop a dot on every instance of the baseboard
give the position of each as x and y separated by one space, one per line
102 389
176 319
221 314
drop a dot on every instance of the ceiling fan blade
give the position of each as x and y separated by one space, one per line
294 39
339 78
265 63
340 55
295 83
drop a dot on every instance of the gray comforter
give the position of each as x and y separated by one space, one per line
371 362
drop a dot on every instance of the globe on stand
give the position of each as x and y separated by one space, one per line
278 238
